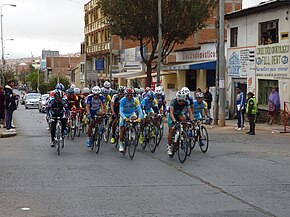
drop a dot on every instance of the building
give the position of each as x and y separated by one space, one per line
258 51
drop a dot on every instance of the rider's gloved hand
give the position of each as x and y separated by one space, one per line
175 122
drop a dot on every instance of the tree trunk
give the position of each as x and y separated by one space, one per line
149 76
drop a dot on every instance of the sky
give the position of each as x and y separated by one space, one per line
47 24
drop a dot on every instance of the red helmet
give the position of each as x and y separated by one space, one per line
129 90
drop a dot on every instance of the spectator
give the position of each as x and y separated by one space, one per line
208 99
240 107
273 105
2 114
10 104
251 112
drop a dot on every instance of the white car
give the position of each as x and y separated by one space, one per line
42 104
31 100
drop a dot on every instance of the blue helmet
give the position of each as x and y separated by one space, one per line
150 94
60 86
70 91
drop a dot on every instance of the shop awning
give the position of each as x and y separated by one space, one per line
192 65
154 74
126 74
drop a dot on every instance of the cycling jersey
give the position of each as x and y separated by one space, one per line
179 109
95 104
72 100
56 108
161 102
147 105
116 100
198 108
128 108
190 99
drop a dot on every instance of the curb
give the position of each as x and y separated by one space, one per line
7 134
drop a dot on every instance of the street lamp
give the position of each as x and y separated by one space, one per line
2 45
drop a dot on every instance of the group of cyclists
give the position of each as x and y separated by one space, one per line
121 105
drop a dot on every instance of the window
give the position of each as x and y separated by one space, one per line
234 37
268 32
265 88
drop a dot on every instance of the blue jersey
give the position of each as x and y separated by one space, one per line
161 102
190 99
147 104
198 108
128 107
179 109
95 104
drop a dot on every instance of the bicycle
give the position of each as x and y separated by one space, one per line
108 127
59 138
71 126
97 132
181 141
131 137
151 133
200 135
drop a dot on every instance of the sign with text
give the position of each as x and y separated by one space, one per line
272 61
99 64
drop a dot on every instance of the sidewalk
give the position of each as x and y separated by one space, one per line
4 134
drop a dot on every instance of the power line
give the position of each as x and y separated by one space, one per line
75 2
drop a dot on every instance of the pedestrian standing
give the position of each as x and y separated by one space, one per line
208 99
2 110
10 104
273 105
251 111
240 107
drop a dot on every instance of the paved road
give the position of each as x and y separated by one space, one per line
240 176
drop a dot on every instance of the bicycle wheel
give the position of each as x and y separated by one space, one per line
73 129
92 138
182 146
117 136
97 139
79 126
58 137
132 142
203 139
107 130
152 139
159 134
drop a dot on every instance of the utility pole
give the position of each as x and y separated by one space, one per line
216 102
222 90
111 55
159 41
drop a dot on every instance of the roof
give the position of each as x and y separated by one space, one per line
262 7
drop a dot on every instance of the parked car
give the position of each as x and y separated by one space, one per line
31 100
42 104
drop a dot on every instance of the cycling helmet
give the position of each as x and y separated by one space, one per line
77 91
137 91
142 90
58 94
160 87
186 90
60 86
72 86
96 90
199 95
158 90
129 90
147 89
150 94
181 95
70 91
86 90
121 90
107 84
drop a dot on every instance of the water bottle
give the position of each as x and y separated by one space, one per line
176 136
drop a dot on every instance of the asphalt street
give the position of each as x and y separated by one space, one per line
239 176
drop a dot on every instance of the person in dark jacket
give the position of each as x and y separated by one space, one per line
10 104
240 108
251 111
208 99
2 110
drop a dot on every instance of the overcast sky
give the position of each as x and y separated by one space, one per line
47 24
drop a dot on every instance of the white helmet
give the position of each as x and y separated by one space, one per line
107 84
105 91
181 95
77 91
86 90
199 95
142 90
186 90
158 90
161 87
72 86
96 90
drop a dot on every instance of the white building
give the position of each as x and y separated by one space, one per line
253 64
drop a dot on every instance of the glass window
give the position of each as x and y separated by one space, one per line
265 88
268 32
234 37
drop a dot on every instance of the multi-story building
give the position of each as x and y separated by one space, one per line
192 64
256 64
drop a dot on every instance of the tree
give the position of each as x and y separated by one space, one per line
53 81
138 20
32 77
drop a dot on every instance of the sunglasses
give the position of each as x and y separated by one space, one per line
180 100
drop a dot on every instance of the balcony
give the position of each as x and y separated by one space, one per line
100 23
89 6
98 47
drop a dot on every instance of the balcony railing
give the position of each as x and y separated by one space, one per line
98 47
100 23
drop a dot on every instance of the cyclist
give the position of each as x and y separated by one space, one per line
95 105
107 86
176 113
115 108
144 93
72 99
128 106
58 86
160 97
199 106
86 91
106 94
148 106
57 107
